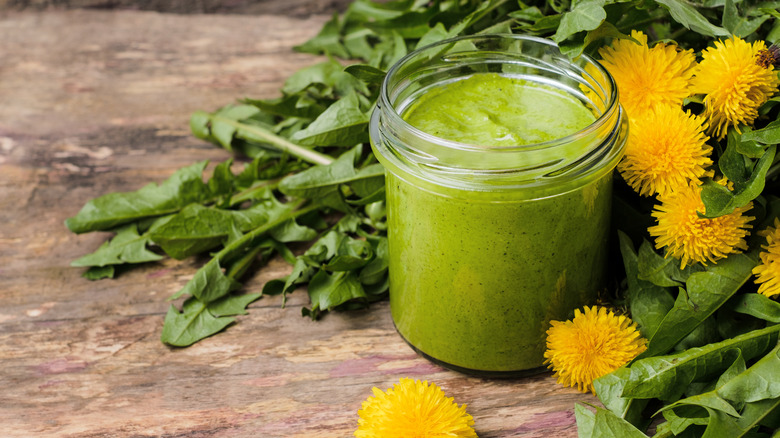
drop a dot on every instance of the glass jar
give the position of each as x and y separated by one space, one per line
488 244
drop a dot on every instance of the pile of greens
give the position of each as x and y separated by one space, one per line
311 191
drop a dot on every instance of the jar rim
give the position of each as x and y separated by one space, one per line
397 120
551 166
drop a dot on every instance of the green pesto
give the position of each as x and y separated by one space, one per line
493 110
475 282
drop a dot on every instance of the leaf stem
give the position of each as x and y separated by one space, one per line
249 193
249 238
258 133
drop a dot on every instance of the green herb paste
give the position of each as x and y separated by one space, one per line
476 280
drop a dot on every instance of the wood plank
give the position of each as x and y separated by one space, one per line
98 101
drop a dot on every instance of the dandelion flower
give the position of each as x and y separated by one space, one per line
648 77
693 239
734 84
666 149
768 271
413 409
769 57
594 343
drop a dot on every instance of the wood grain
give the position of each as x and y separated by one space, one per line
98 101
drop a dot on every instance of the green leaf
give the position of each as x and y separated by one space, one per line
327 291
292 231
343 124
706 292
329 74
757 305
232 304
195 229
209 283
659 270
704 333
756 390
366 73
99 272
770 134
584 16
738 25
126 247
609 389
351 254
666 377
586 420
326 41
605 30
434 35
732 163
691 18
223 132
376 270
293 105
184 187
649 303
322 183
757 413
759 382
605 424
192 324
712 399
718 200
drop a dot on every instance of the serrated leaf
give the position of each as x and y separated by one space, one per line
366 73
351 254
223 132
605 424
609 388
666 377
126 247
323 183
330 74
292 231
192 324
232 304
649 303
770 134
719 201
208 284
327 291
705 292
343 124
376 270
327 41
184 187
691 18
584 16
759 382
757 305
738 25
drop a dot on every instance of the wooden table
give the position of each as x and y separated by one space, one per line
99 101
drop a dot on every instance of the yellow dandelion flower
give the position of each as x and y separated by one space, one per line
693 239
734 84
648 77
594 343
413 409
666 149
768 271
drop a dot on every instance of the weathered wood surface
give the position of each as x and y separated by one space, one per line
98 101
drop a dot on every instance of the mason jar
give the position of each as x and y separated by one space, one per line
490 240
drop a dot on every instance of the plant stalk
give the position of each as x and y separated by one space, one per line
257 133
